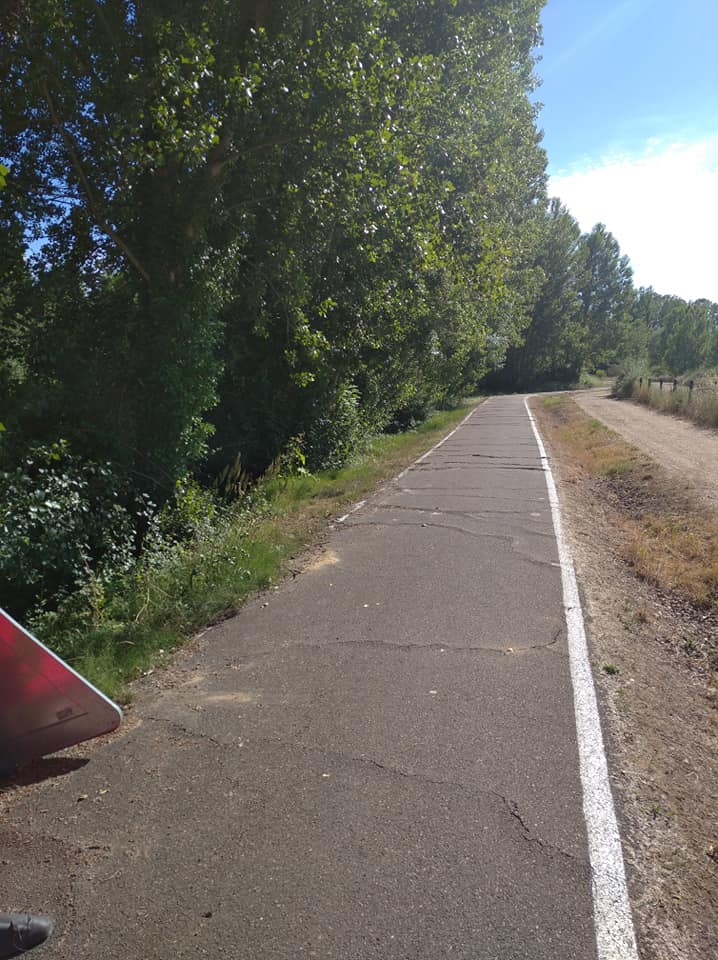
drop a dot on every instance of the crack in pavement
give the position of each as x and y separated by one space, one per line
467 460
471 492
265 652
480 516
441 647
452 465
510 806
195 734
475 492
500 456
507 538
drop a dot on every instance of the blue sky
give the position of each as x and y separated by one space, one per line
630 120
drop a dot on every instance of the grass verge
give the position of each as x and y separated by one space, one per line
113 630
668 538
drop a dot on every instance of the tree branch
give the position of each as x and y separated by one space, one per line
94 206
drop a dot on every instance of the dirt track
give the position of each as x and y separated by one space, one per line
685 450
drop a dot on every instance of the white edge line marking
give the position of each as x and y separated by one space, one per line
439 444
615 934
357 506
423 457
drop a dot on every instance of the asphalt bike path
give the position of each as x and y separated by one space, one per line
379 759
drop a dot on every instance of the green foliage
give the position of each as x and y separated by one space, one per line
606 293
553 348
628 379
678 336
243 234
588 317
334 428
247 213
699 404
62 520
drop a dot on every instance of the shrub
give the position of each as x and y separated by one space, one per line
412 413
61 519
334 428
627 380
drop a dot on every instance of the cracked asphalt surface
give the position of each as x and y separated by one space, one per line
376 760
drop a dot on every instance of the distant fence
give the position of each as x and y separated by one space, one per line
695 399
671 385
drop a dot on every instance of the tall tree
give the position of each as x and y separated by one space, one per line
554 343
606 293
254 219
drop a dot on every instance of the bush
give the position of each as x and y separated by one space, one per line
410 415
61 519
334 428
699 405
627 379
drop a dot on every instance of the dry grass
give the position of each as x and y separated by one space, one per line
668 539
679 553
700 405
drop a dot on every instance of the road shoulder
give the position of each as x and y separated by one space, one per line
687 452
659 714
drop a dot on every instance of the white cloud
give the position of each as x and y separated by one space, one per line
661 206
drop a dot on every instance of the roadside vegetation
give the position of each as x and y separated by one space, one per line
242 242
676 342
589 321
238 239
666 537
693 397
203 556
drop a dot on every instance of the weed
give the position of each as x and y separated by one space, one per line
611 669
618 468
588 380
633 618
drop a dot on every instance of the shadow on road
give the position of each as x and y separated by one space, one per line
40 770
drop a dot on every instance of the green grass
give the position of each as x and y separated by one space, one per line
115 630
588 380
619 468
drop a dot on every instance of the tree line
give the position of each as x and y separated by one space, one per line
232 230
229 229
228 225
589 315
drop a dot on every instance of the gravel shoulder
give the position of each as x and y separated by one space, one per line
658 696
682 448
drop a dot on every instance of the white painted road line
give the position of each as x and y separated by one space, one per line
615 935
358 506
436 446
